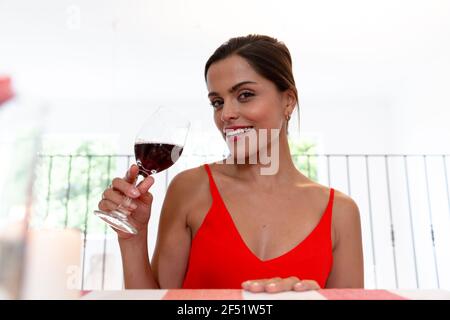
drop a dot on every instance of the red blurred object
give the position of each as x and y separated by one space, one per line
6 91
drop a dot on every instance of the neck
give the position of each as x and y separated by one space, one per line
280 168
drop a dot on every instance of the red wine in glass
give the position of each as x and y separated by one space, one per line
157 146
152 157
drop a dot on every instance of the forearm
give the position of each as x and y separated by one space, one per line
137 270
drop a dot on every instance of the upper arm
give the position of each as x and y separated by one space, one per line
348 264
171 254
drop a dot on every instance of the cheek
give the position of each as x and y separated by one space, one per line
217 120
216 117
267 115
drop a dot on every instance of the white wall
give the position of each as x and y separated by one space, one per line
362 65
377 68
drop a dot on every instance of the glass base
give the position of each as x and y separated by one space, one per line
117 220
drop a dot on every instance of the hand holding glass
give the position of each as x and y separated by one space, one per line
158 145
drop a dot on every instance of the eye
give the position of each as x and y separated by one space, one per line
216 103
245 95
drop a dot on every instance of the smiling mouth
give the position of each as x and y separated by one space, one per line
229 133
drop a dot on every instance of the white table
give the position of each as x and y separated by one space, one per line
219 294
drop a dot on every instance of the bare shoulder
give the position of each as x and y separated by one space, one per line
317 193
346 216
187 186
186 178
345 207
341 201
345 212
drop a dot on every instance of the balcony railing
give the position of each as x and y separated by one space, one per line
404 203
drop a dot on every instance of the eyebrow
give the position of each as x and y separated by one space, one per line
233 88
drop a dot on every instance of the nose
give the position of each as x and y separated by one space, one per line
229 112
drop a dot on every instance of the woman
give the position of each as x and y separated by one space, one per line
228 225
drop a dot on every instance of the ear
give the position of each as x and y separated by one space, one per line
290 101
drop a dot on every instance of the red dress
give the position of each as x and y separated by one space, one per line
220 259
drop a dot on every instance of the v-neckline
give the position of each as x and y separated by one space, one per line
244 244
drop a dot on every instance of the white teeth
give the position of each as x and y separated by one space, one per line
231 133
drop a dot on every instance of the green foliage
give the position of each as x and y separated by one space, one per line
306 164
68 188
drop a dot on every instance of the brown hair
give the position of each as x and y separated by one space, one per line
269 57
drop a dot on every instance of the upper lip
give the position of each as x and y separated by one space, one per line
234 128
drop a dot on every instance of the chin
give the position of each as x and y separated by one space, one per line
245 156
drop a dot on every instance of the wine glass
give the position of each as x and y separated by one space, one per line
158 145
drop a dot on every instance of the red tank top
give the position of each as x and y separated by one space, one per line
220 259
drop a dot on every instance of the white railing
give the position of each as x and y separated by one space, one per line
403 199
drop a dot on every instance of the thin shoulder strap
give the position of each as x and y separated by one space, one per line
212 184
331 197
330 203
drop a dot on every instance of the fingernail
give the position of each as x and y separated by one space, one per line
271 285
135 192
133 206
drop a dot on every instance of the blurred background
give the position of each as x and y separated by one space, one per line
373 80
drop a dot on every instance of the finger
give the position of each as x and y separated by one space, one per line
125 187
255 285
247 283
281 285
108 206
119 198
306 285
146 199
145 184
132 174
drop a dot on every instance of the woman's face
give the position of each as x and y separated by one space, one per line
242 98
